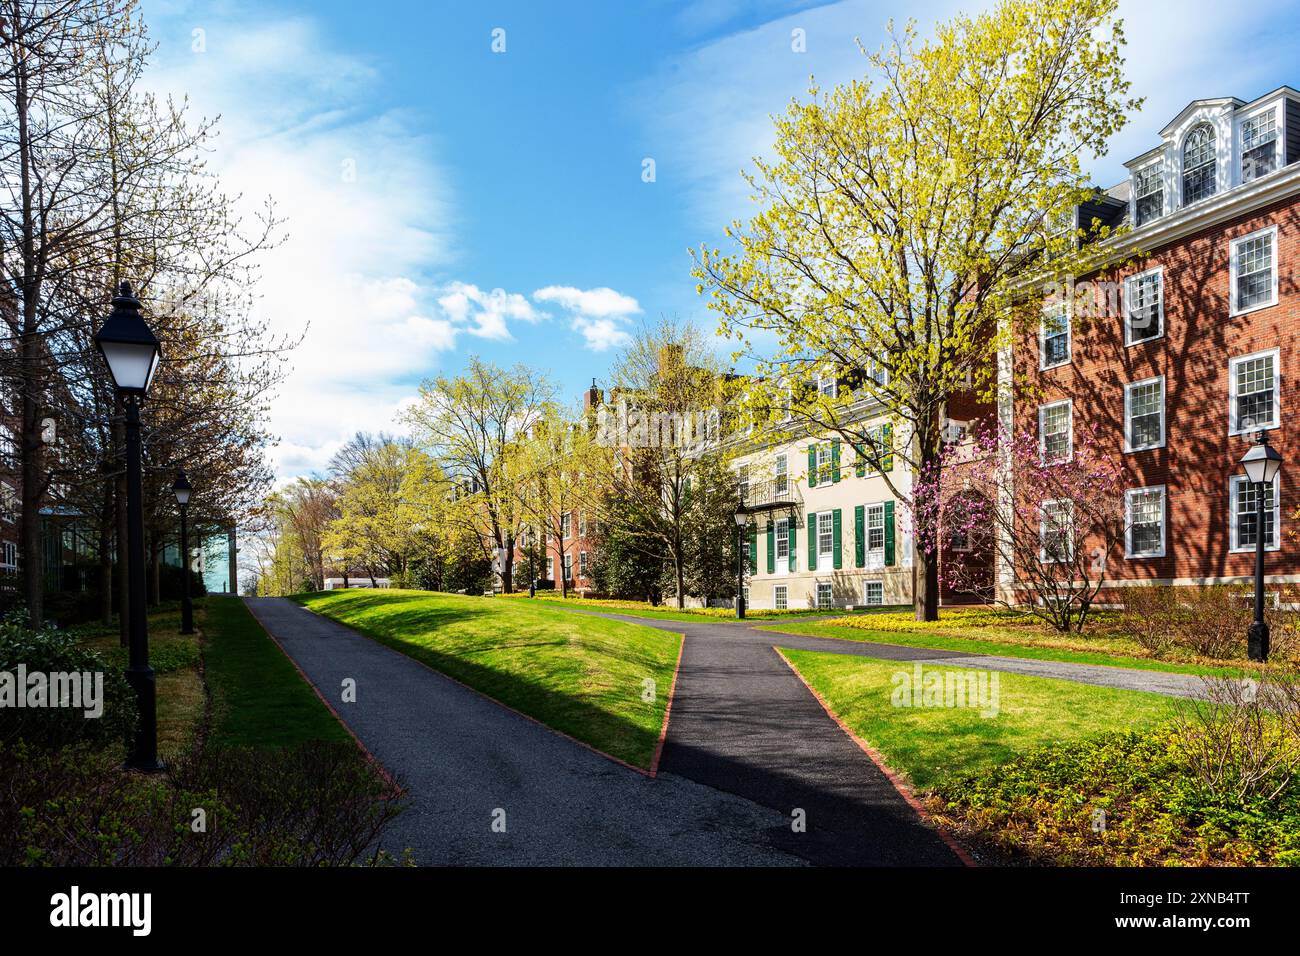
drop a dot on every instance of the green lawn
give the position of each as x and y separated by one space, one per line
932 744
664 612
258 697
974 645
581 675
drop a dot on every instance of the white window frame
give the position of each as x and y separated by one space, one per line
1129 495
1129 285
1128 415
824 376
1233 311
830 600
1042 532
1214 163
1234 483
742 479
782 475
1043 364
1233 428
823 468
781 598
9 556
566 525
1164 190
829 518
567 565
781 529
1069 430
868 525
583 564
866 596
1270 113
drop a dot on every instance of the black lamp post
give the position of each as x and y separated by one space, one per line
1261 463
181 488
742 520
132 353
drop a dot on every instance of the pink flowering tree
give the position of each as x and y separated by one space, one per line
1053 515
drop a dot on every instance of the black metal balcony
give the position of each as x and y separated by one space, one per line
776 494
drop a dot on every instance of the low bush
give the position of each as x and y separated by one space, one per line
316 804
1208 622
47 652
1127 799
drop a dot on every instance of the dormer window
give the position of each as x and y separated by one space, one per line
1200 171
1148 194
826 384
1258 146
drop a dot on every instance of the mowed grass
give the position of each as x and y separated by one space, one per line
582 675
666 612
932 744
997 643
258 697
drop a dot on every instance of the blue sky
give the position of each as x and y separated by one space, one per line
444 200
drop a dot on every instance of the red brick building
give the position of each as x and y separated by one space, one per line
1197 355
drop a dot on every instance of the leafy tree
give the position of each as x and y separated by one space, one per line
664 423
907 215
469 425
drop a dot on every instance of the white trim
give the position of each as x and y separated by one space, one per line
1233 546
829 553
1128 414
1064 308
1233 310
867 602
1276 355
776 604
1069 431
1129 341
1129 553
1042 530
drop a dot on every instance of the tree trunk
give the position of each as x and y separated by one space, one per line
33 478
508 567
927 451
679 575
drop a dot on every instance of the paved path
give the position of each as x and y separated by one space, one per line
747 748
464 757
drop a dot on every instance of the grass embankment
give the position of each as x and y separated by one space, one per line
712 615
1063 774
582 675
1003 633
932 743
258 697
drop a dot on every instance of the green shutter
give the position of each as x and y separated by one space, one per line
835 460
771 547
812 466
889 533
812 542
859 459
836 538
860 536
887 439
793 531
753 548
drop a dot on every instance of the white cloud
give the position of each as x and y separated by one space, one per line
599 315
369 216
483 313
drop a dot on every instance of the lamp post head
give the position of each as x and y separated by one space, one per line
182 488
1262 462
742 519
129 347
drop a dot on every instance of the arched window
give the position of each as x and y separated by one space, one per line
1199 167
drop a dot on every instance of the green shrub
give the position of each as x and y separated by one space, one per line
52 651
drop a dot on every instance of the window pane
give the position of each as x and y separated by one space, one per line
1247 517
1255 271
782 533
1144 294
1146 517
1199 167
1146 413
1258 146
1255 382
825 535
781 595
876 528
